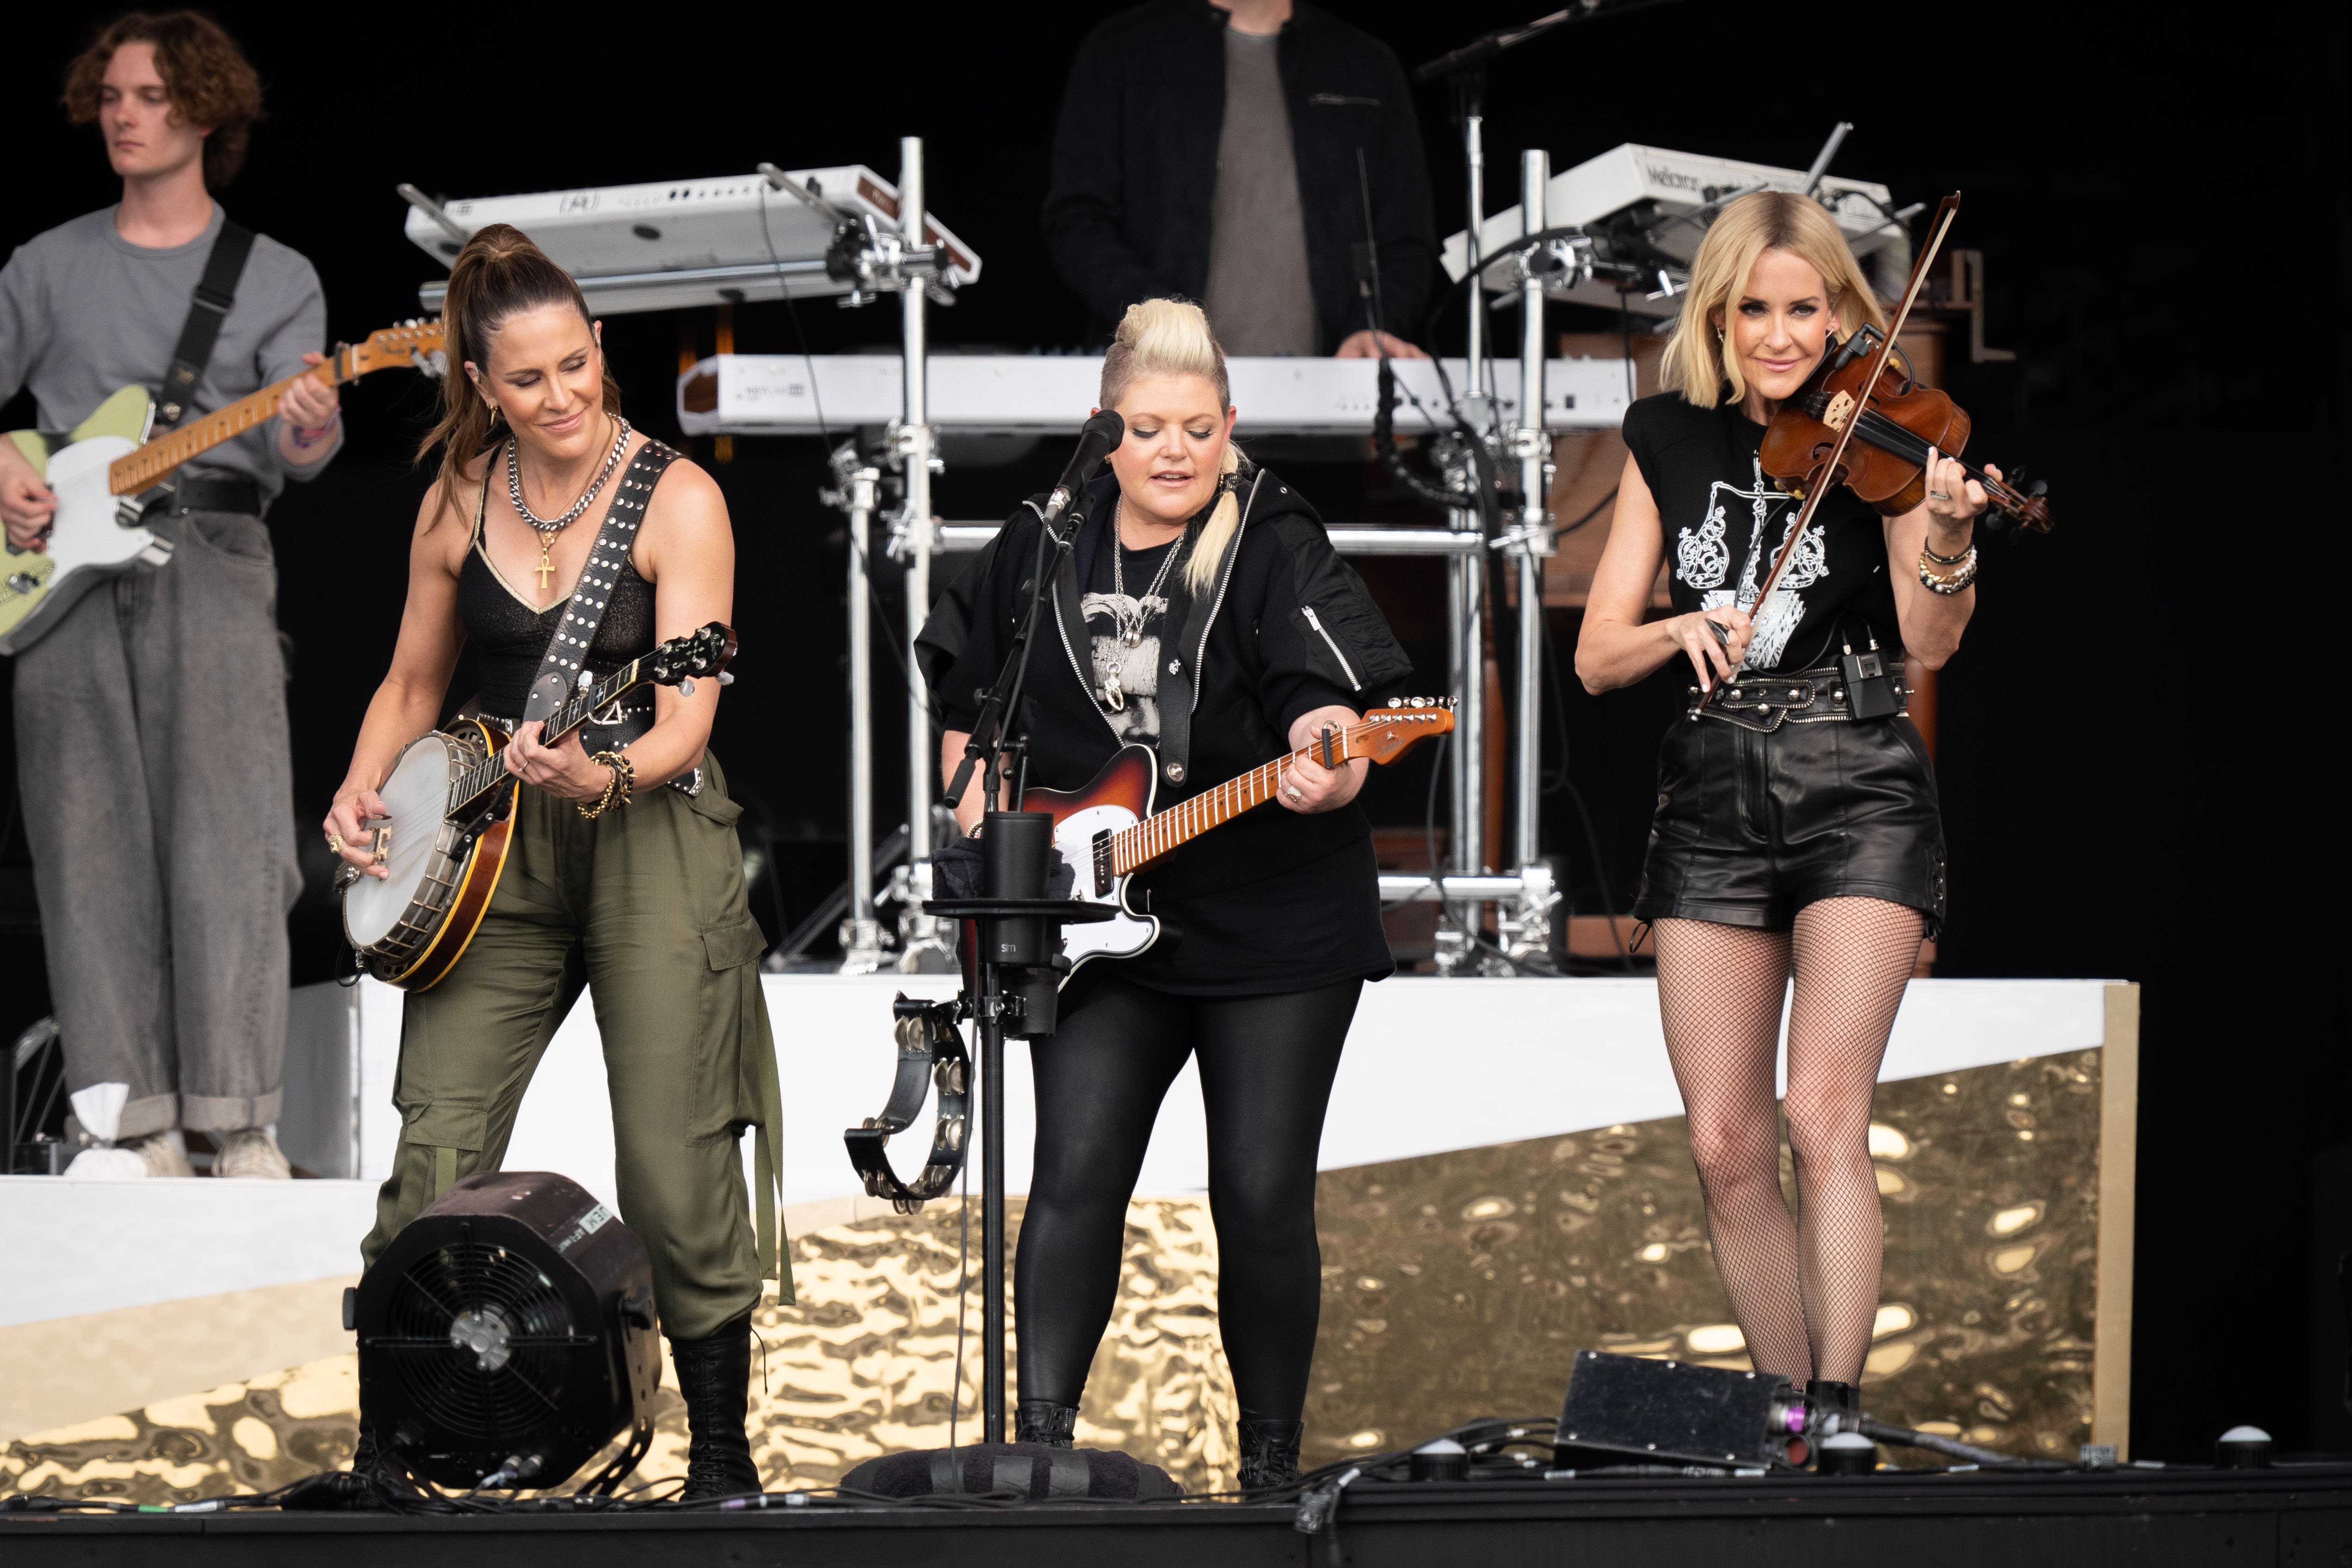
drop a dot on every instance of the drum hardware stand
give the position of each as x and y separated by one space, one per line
877 261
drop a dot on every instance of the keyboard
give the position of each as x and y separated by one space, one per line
1038 394
680 243
1602 191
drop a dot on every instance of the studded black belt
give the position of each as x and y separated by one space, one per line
1763 702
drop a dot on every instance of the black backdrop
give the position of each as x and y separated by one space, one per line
2137 769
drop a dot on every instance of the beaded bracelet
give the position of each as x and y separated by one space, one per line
311 438
1957 581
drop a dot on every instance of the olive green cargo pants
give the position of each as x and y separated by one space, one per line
645 907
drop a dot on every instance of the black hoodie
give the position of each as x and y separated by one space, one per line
1271 901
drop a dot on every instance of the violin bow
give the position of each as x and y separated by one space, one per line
1824 479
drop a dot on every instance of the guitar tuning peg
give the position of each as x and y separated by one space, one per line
686 687
726 677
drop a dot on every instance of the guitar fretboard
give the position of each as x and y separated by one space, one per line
1134 847
147 465
470 791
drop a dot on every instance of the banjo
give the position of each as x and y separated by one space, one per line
1107 830
409 928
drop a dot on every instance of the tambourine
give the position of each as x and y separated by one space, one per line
928 1049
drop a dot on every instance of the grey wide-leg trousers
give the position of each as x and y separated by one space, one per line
153 753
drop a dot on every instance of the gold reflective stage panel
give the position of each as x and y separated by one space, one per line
1455 1285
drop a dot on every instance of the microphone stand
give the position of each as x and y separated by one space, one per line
1011 974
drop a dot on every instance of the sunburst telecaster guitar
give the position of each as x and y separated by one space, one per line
451 800
104 471
1107 831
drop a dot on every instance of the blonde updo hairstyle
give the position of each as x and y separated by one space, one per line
500 275
1172 337
1698 362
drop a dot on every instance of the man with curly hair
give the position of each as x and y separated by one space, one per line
152 743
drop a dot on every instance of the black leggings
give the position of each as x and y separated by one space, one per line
1266 1066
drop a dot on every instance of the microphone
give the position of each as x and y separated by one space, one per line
1101 433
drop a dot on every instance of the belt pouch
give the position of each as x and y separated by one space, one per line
1869 684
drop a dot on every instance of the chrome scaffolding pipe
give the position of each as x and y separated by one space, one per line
862 949
915 445
1534 531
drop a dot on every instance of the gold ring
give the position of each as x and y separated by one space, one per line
335 842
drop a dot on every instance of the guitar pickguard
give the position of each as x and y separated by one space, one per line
1125 934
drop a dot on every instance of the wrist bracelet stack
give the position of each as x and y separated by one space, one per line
618 787
1964 572
308 438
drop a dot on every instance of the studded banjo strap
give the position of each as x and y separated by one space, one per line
559 669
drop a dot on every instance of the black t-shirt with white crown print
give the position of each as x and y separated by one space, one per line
1725 523
1127 609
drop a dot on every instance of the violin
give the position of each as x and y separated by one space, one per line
1885 462
1852 424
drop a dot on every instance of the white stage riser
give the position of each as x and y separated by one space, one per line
1431 1065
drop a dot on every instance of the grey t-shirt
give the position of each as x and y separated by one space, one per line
1260 299
84 312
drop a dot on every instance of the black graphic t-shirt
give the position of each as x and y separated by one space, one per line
1126 611
1725 523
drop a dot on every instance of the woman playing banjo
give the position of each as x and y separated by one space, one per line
1209 618
622 875
1797 828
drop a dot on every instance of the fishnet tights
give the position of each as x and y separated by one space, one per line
1805 1291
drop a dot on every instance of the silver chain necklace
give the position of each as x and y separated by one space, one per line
587 499
1132 633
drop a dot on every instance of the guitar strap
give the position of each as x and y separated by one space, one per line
561 667
207 308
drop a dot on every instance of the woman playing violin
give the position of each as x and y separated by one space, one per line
1797 828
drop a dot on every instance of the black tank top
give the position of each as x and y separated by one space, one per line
1723 521
513 637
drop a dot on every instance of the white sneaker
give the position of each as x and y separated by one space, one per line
251 1153
166 1152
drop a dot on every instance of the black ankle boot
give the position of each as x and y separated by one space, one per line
364 1459
1269 1452
1043 1421
715 1376
1828 1395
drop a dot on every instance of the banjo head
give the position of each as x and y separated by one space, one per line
416 794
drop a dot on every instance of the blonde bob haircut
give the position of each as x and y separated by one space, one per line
1697 362
1172 337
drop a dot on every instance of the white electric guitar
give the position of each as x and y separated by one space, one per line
104 470
1107 831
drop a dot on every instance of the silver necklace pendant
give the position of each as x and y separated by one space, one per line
588 498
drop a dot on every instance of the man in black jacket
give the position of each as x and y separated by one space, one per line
1211 150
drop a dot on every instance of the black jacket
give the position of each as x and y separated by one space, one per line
1252 658
1135 165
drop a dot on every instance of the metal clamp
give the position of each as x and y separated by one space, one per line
930 1053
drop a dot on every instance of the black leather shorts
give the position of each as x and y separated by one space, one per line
1776 797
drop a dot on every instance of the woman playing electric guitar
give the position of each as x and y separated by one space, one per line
1204 613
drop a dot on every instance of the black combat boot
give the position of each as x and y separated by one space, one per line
1043 1421
715 1376
1269 1452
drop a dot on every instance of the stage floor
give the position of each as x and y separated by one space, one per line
2151 1519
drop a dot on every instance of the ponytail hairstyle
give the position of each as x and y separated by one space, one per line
1172 337
1698 363
500 275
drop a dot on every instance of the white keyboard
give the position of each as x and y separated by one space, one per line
1032 395
1598 189
686 242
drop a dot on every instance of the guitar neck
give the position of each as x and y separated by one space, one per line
474 786
1133 849
150 463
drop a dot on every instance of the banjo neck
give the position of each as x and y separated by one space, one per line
474 787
